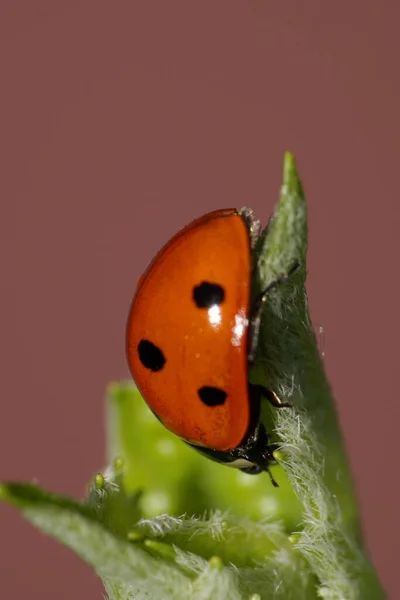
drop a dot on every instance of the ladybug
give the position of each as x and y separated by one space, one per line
191 339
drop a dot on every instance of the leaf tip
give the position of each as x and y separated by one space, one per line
291 179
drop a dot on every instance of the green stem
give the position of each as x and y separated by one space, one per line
309 434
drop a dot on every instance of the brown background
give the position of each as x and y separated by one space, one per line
122 121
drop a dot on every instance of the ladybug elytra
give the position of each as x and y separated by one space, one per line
192 336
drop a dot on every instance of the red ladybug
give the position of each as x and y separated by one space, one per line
192 336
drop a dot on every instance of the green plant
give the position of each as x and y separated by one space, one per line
164 522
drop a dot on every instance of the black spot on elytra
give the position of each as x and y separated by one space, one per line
151 356
207 294
212 396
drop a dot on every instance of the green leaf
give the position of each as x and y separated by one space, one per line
162 521
309 434
160 560
125 568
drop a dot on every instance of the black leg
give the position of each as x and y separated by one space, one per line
257 469
274 398
277 281
273 481
257 309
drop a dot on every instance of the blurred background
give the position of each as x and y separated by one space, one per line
119 123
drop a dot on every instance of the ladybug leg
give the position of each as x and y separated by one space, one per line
257 309
258 469
259 452
273 480
274 398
